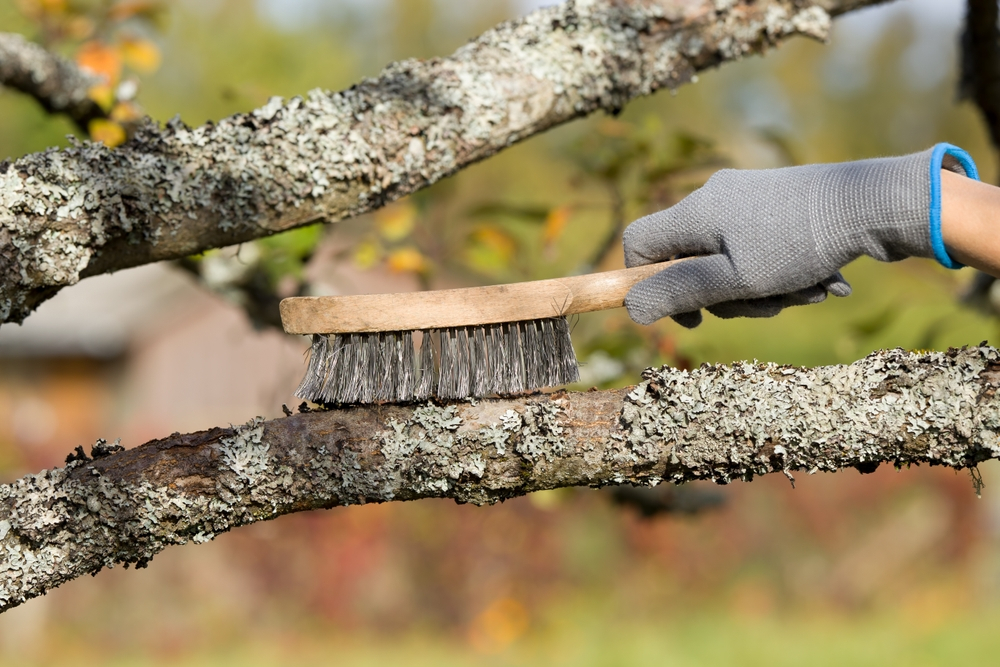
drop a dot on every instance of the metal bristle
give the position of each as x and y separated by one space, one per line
460 362
514 370
427 383
535 354
479 360
446 369
312 383
551 371
567 365
335 351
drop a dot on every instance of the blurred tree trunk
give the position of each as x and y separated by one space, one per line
980 81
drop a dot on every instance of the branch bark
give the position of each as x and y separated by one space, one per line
173 191
55 82
719 423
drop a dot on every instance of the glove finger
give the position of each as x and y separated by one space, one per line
683 288
768 306
836 285
804 296
764 307
673 232
687 320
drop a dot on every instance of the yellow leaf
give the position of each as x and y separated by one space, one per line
107 131
490 250
37 8
141 55
125 112
101 59
80 27
396 222
497 240
555 223
103 94
504 621
130 8
367 254
407 259
610 127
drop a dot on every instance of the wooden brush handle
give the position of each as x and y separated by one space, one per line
470 306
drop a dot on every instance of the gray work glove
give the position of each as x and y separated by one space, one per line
772 238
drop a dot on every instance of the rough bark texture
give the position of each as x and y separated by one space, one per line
172 191
719 423
58 84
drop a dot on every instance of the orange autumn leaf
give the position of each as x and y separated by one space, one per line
610 127
141 55
80 27
130 8
108 132
490 250
396 222
504 621
407 259
497 240
125 112
39 8
101 59
555 223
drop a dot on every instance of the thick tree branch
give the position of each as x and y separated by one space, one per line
173 191
719 423
58 84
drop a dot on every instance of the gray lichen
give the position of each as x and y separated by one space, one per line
174 190
244 452
876 410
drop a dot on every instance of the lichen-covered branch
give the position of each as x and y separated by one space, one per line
719 423
173 191
56 83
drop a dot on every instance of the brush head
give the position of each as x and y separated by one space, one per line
459 362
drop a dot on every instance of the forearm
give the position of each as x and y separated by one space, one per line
970 211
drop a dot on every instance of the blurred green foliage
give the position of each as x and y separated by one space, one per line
586 634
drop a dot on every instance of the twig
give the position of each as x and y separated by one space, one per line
55 82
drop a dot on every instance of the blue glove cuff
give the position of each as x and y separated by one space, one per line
967 163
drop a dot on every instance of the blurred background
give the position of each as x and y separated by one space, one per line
896 567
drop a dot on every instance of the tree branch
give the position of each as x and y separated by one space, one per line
719 423
58 84
174 191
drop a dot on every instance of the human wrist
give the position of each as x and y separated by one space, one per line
969 210
948 163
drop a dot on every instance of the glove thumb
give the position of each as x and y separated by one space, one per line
683 287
